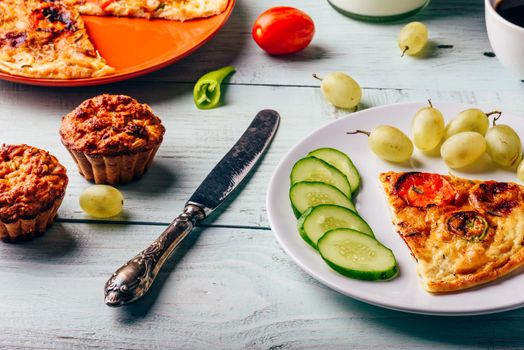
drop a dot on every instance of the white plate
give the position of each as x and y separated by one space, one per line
405 292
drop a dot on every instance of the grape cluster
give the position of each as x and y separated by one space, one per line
461 142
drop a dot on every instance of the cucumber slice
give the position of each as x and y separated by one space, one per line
355 254
340 161
305 195
314 169
322 218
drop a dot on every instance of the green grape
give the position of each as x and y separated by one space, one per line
427 128
413 38
341 90
472 119
520 171
463 149
389 143
504 145
101 201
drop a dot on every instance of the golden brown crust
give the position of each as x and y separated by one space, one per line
111 125
46 39
179 10
448 261
31 182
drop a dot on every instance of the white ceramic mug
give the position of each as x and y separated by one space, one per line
506 38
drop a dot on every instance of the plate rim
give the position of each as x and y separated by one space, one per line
124 76
333 286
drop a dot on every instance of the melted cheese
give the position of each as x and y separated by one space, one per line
460 257
448 261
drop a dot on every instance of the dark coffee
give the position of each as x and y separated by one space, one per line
512 10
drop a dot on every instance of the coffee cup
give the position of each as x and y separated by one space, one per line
506 38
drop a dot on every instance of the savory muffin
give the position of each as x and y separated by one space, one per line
112 138
32 186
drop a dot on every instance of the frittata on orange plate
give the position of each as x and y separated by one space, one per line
46 39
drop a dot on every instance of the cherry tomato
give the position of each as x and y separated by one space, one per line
283 30
423 189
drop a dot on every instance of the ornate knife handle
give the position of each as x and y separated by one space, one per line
131 281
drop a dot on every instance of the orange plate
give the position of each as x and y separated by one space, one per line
137 46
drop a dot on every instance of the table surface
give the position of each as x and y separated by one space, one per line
230 285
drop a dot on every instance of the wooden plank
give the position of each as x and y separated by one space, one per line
367 51
224 289
196 140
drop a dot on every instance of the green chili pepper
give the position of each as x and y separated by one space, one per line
207 89
469 225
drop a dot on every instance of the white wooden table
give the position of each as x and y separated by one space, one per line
230 285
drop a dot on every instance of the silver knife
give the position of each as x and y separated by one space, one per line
131 281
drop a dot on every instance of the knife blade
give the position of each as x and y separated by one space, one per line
237 163
132 281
